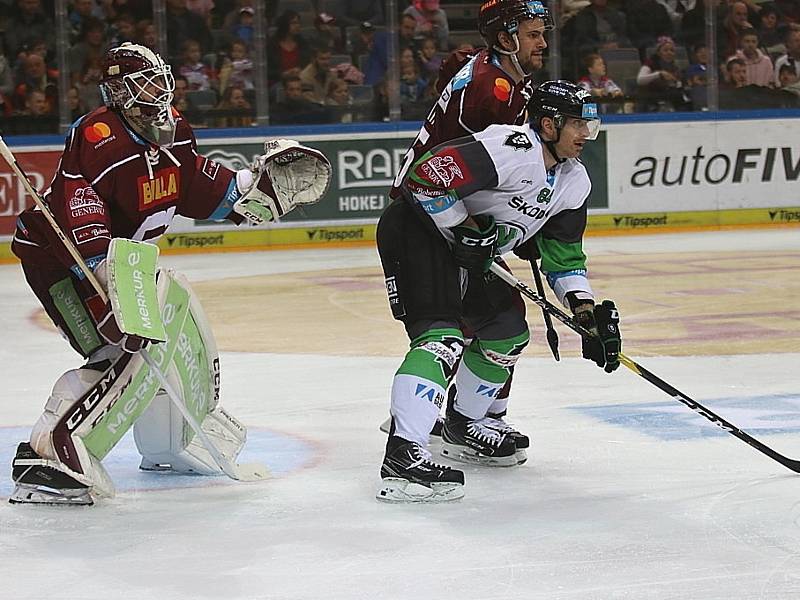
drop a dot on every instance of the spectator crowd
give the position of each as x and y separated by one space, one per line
327 60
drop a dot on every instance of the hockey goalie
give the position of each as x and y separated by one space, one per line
127 169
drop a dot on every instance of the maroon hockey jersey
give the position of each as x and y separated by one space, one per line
480 94
112 183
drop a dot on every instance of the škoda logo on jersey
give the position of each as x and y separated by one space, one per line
163 187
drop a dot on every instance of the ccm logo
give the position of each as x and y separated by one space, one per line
484 242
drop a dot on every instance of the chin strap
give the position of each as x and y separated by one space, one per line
512 54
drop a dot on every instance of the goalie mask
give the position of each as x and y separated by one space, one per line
137 83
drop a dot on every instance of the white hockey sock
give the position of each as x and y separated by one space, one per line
475 395
415 405
500 405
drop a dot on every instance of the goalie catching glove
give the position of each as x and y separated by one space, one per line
288 174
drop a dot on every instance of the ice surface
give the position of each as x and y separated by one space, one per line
627 493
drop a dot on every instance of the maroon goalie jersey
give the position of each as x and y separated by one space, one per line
480 94
112 183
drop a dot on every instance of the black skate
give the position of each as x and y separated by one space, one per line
522 442
474 441
410 475
39 481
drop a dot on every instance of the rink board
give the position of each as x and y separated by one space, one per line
649 172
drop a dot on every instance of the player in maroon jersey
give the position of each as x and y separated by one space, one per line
492 86
127 169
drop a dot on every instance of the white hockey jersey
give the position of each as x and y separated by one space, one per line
500 172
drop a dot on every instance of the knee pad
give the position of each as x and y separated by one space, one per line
492 360
434 355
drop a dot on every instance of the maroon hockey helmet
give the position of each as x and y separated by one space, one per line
137 82
495 16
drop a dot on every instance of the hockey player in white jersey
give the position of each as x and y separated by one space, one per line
465 202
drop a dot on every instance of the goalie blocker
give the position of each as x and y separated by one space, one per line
91 408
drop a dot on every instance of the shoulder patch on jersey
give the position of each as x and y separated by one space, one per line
502 89
444 170
97 132
519 141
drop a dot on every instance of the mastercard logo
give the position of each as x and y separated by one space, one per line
97 132
502 89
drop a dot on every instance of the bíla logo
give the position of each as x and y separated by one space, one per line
163 187
519 141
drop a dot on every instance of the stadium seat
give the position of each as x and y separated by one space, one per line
202 99
619 54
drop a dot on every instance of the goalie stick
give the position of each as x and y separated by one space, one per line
650 377
239 472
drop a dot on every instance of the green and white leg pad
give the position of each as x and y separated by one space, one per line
162 435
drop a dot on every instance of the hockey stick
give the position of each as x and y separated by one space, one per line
239 472
526 291
552 334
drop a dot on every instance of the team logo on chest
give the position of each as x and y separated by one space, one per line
163 187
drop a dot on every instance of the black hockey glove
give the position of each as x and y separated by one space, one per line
528 250
602 320
474 249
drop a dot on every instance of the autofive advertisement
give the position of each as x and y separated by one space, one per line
40 167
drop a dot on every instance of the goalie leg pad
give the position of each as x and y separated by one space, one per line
164 439
85 416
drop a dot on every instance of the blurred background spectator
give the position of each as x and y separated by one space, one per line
183 25
317 74
660 82
430 19
90 48
339 99
237 68
197 73
596 81
235 108
294 108
792 56
26 25
287 49
758 65
353 12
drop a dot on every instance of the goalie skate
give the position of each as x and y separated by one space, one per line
410 476
473 441
38 481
